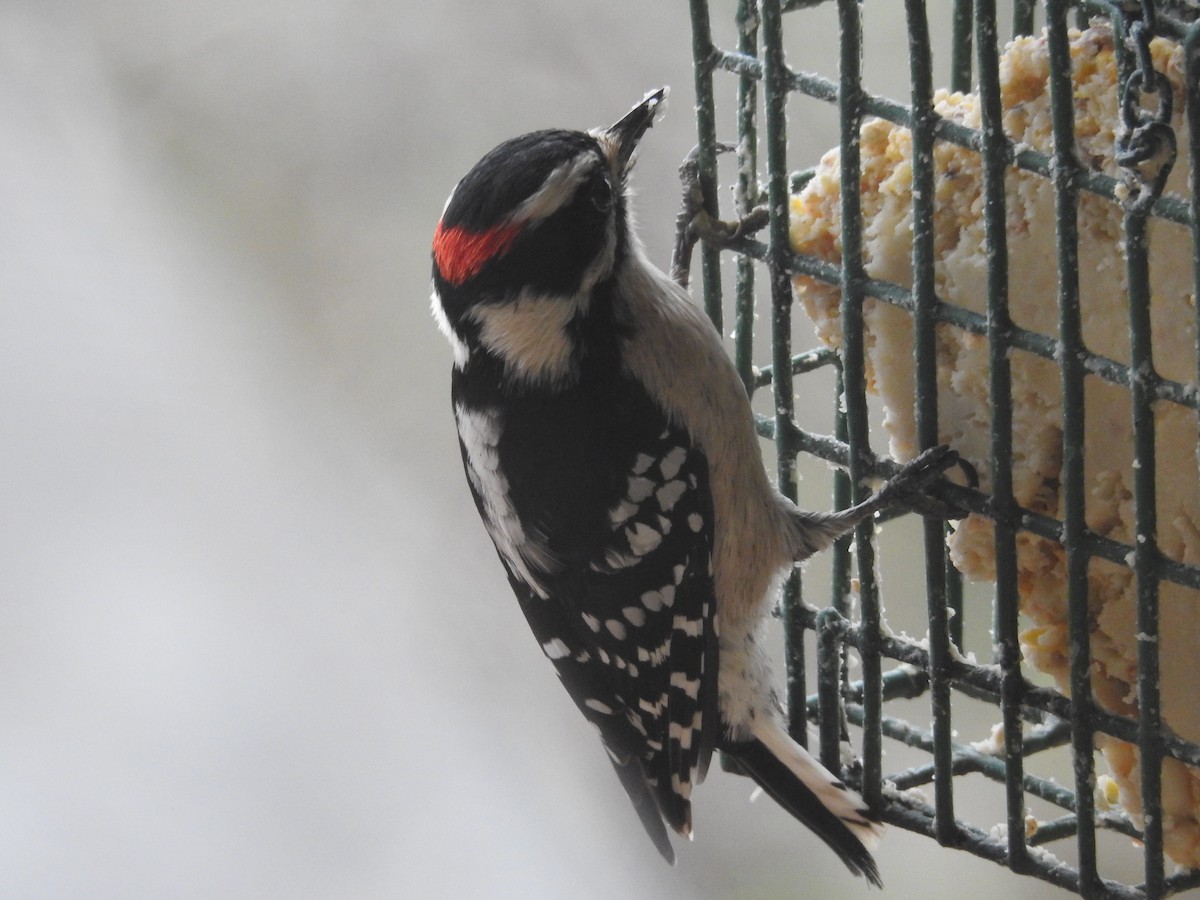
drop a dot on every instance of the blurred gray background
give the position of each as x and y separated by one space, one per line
253 639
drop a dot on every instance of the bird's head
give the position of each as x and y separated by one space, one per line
535 225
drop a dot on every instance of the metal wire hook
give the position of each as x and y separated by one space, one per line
1146 147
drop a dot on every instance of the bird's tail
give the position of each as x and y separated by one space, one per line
642 795
811 793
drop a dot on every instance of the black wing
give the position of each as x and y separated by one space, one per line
611 563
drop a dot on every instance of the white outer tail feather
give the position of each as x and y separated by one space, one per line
840 800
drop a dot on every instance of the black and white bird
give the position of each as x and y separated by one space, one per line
611 451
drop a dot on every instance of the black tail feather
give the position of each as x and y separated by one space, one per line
641 795
786 789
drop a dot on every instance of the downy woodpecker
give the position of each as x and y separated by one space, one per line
610 448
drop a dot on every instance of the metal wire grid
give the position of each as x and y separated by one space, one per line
1053 720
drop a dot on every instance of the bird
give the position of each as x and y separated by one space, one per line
611 452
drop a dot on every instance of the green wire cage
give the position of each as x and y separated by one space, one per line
899 675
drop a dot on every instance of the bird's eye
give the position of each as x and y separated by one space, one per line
602 195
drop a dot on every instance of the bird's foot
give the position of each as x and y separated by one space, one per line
908 488
694 222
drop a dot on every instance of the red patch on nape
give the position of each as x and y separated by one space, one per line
459 253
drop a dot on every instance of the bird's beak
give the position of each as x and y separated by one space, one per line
622 138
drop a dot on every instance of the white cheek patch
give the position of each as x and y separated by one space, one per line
530 334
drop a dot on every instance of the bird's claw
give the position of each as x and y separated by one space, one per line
924 468
908 487
694 223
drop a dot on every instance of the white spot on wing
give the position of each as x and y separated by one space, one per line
642 463
622 512
634 616
672 463
640 488
616 629
642 539
652 600
668 495
556 649
695 521
617 560
660 653
690 686
655 709
680 735
598 706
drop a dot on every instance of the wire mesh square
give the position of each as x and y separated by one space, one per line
904 680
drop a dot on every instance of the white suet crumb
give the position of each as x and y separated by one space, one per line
993 744
963 382
1107 793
